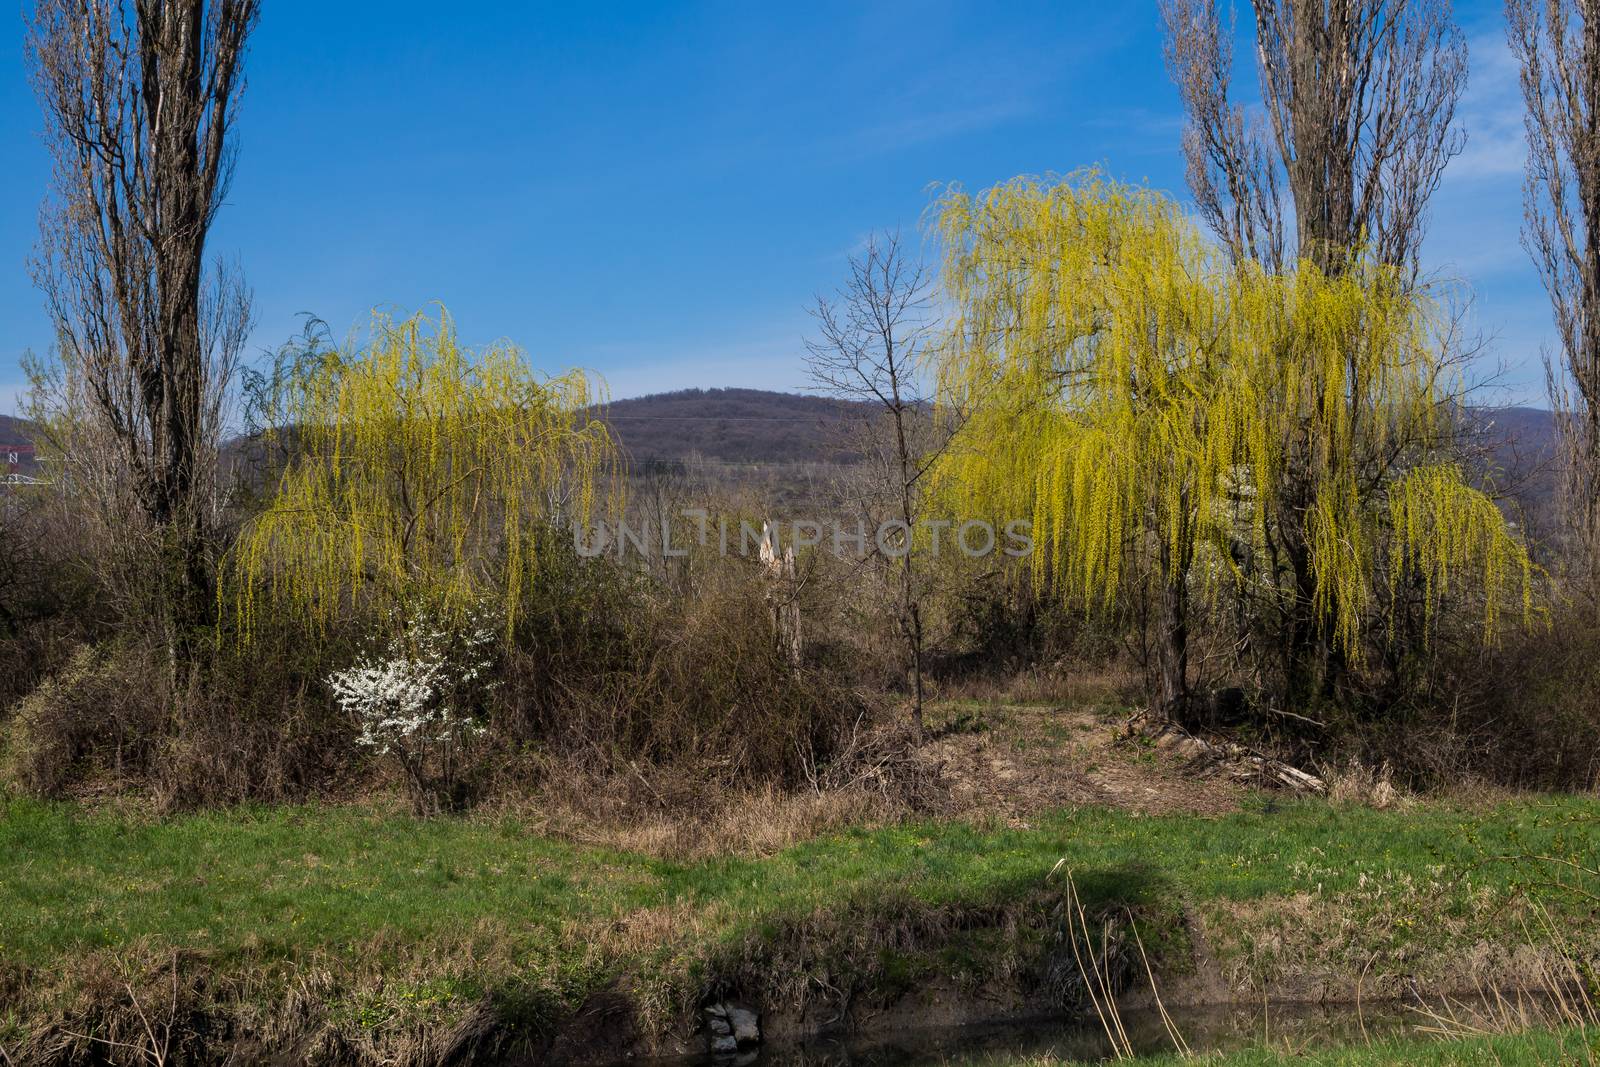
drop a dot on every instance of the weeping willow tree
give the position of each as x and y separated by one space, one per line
1123 386
1089 355
418 473
1351 380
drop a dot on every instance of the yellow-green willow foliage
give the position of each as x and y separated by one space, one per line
1349 376
1124 387
419 473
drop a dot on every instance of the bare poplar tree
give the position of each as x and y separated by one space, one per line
1558 45
1232 173
1359 97
869 348
140 99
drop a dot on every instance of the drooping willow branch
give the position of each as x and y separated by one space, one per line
1126 389
418 471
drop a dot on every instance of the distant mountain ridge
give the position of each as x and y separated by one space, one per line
753 427
765 426
15 431
732 426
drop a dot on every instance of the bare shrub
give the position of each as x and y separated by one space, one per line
649 692
49 601
282 748
100 716
1520 714
638 679
237 727
998 634
698 681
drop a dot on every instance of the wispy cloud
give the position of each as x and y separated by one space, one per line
11 396
975 84
1491 114
772 360
1140 122
907 131
927 113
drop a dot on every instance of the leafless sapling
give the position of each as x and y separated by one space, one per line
870 341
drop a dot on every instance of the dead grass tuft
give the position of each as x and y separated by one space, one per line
1371 787
726 822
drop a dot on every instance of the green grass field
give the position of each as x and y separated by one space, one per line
416 919
284 880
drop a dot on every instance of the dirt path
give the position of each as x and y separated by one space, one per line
1017 760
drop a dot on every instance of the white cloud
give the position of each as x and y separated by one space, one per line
916 126
774 361
1166 126
1491 114
11 396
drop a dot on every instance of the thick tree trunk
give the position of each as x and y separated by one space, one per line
1173 649
1172 642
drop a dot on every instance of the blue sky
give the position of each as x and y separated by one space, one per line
656 192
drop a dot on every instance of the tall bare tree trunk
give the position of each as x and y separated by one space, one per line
1558 45
139 101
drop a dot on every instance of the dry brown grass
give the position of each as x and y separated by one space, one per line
1003 764
1114 682
1014 762
723 822
1372 787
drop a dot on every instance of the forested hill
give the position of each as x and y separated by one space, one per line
733 426
757 426
760 426
1520 446
15 431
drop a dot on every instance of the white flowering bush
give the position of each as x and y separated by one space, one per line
414 702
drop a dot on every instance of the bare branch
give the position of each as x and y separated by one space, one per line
1557 43
1359 98
139 100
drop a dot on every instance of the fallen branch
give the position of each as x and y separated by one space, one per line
1247 763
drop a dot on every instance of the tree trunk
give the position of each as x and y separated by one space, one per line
914 639
1173 649
1172 645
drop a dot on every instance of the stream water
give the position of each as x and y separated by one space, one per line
1013 1043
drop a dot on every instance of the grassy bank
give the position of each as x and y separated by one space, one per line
403 927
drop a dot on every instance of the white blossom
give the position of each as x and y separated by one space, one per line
402 699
